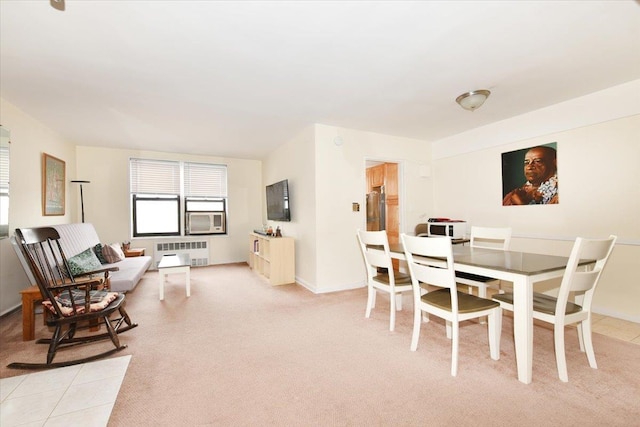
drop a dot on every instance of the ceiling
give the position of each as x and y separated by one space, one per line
238 79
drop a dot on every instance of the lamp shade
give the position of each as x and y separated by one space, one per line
473 100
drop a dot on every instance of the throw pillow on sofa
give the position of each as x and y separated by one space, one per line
112 253
98 250
84 262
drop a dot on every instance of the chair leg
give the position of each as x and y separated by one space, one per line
392 311
495 333
399 301
112 333
425 315
448 328
125 316
72 330
371 301
417 315
454 348
53 345
561 361
482 293
584 329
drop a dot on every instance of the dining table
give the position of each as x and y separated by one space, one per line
523 269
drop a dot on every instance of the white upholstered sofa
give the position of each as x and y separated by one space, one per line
77 237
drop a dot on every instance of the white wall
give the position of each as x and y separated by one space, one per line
598 186
597 134
29 139
341 180
107 204
325 179
295 161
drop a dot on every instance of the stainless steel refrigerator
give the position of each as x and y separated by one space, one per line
375 210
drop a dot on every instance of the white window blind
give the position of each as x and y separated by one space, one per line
154 177
4 168
205 180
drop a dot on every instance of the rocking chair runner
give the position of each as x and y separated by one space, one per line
72 304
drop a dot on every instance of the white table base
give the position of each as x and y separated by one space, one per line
163 271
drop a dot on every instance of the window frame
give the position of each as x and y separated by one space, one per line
196 181
136 197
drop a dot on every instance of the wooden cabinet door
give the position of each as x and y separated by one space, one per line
387 175
392 202
377 176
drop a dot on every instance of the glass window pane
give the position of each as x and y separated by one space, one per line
157 216
205 206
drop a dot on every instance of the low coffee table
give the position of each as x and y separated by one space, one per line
177 263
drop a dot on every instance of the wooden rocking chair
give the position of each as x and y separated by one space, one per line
70 303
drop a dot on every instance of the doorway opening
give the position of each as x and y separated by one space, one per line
383 198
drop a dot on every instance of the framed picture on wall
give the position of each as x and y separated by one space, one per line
53 185
530 176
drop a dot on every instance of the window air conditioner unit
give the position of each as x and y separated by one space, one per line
205 223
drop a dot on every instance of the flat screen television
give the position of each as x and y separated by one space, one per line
278 201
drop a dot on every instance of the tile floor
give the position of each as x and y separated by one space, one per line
63 397
616 328
67 396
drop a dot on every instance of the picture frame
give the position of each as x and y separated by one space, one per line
53 185
530 176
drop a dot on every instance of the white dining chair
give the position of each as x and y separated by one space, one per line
497 238
560 311
430 261
380 273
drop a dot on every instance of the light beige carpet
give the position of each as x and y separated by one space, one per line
239 352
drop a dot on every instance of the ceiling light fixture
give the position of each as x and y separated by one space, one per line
57 4
473 100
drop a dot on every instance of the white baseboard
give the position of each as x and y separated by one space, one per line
315 290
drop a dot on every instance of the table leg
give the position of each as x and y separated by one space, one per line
162 277
188 279
28 317
30 296
523 327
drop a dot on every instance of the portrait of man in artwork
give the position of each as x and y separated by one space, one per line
540 170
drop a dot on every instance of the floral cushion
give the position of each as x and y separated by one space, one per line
112 253
84 262
99 301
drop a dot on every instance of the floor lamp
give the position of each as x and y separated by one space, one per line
81 195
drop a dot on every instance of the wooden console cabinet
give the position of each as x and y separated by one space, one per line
273 258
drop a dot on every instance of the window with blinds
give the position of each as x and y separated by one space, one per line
4 189
163 192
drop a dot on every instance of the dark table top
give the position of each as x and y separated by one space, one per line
509 261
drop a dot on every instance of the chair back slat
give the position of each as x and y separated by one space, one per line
491 237
430 261
581 282
376 258
375 249
46 259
